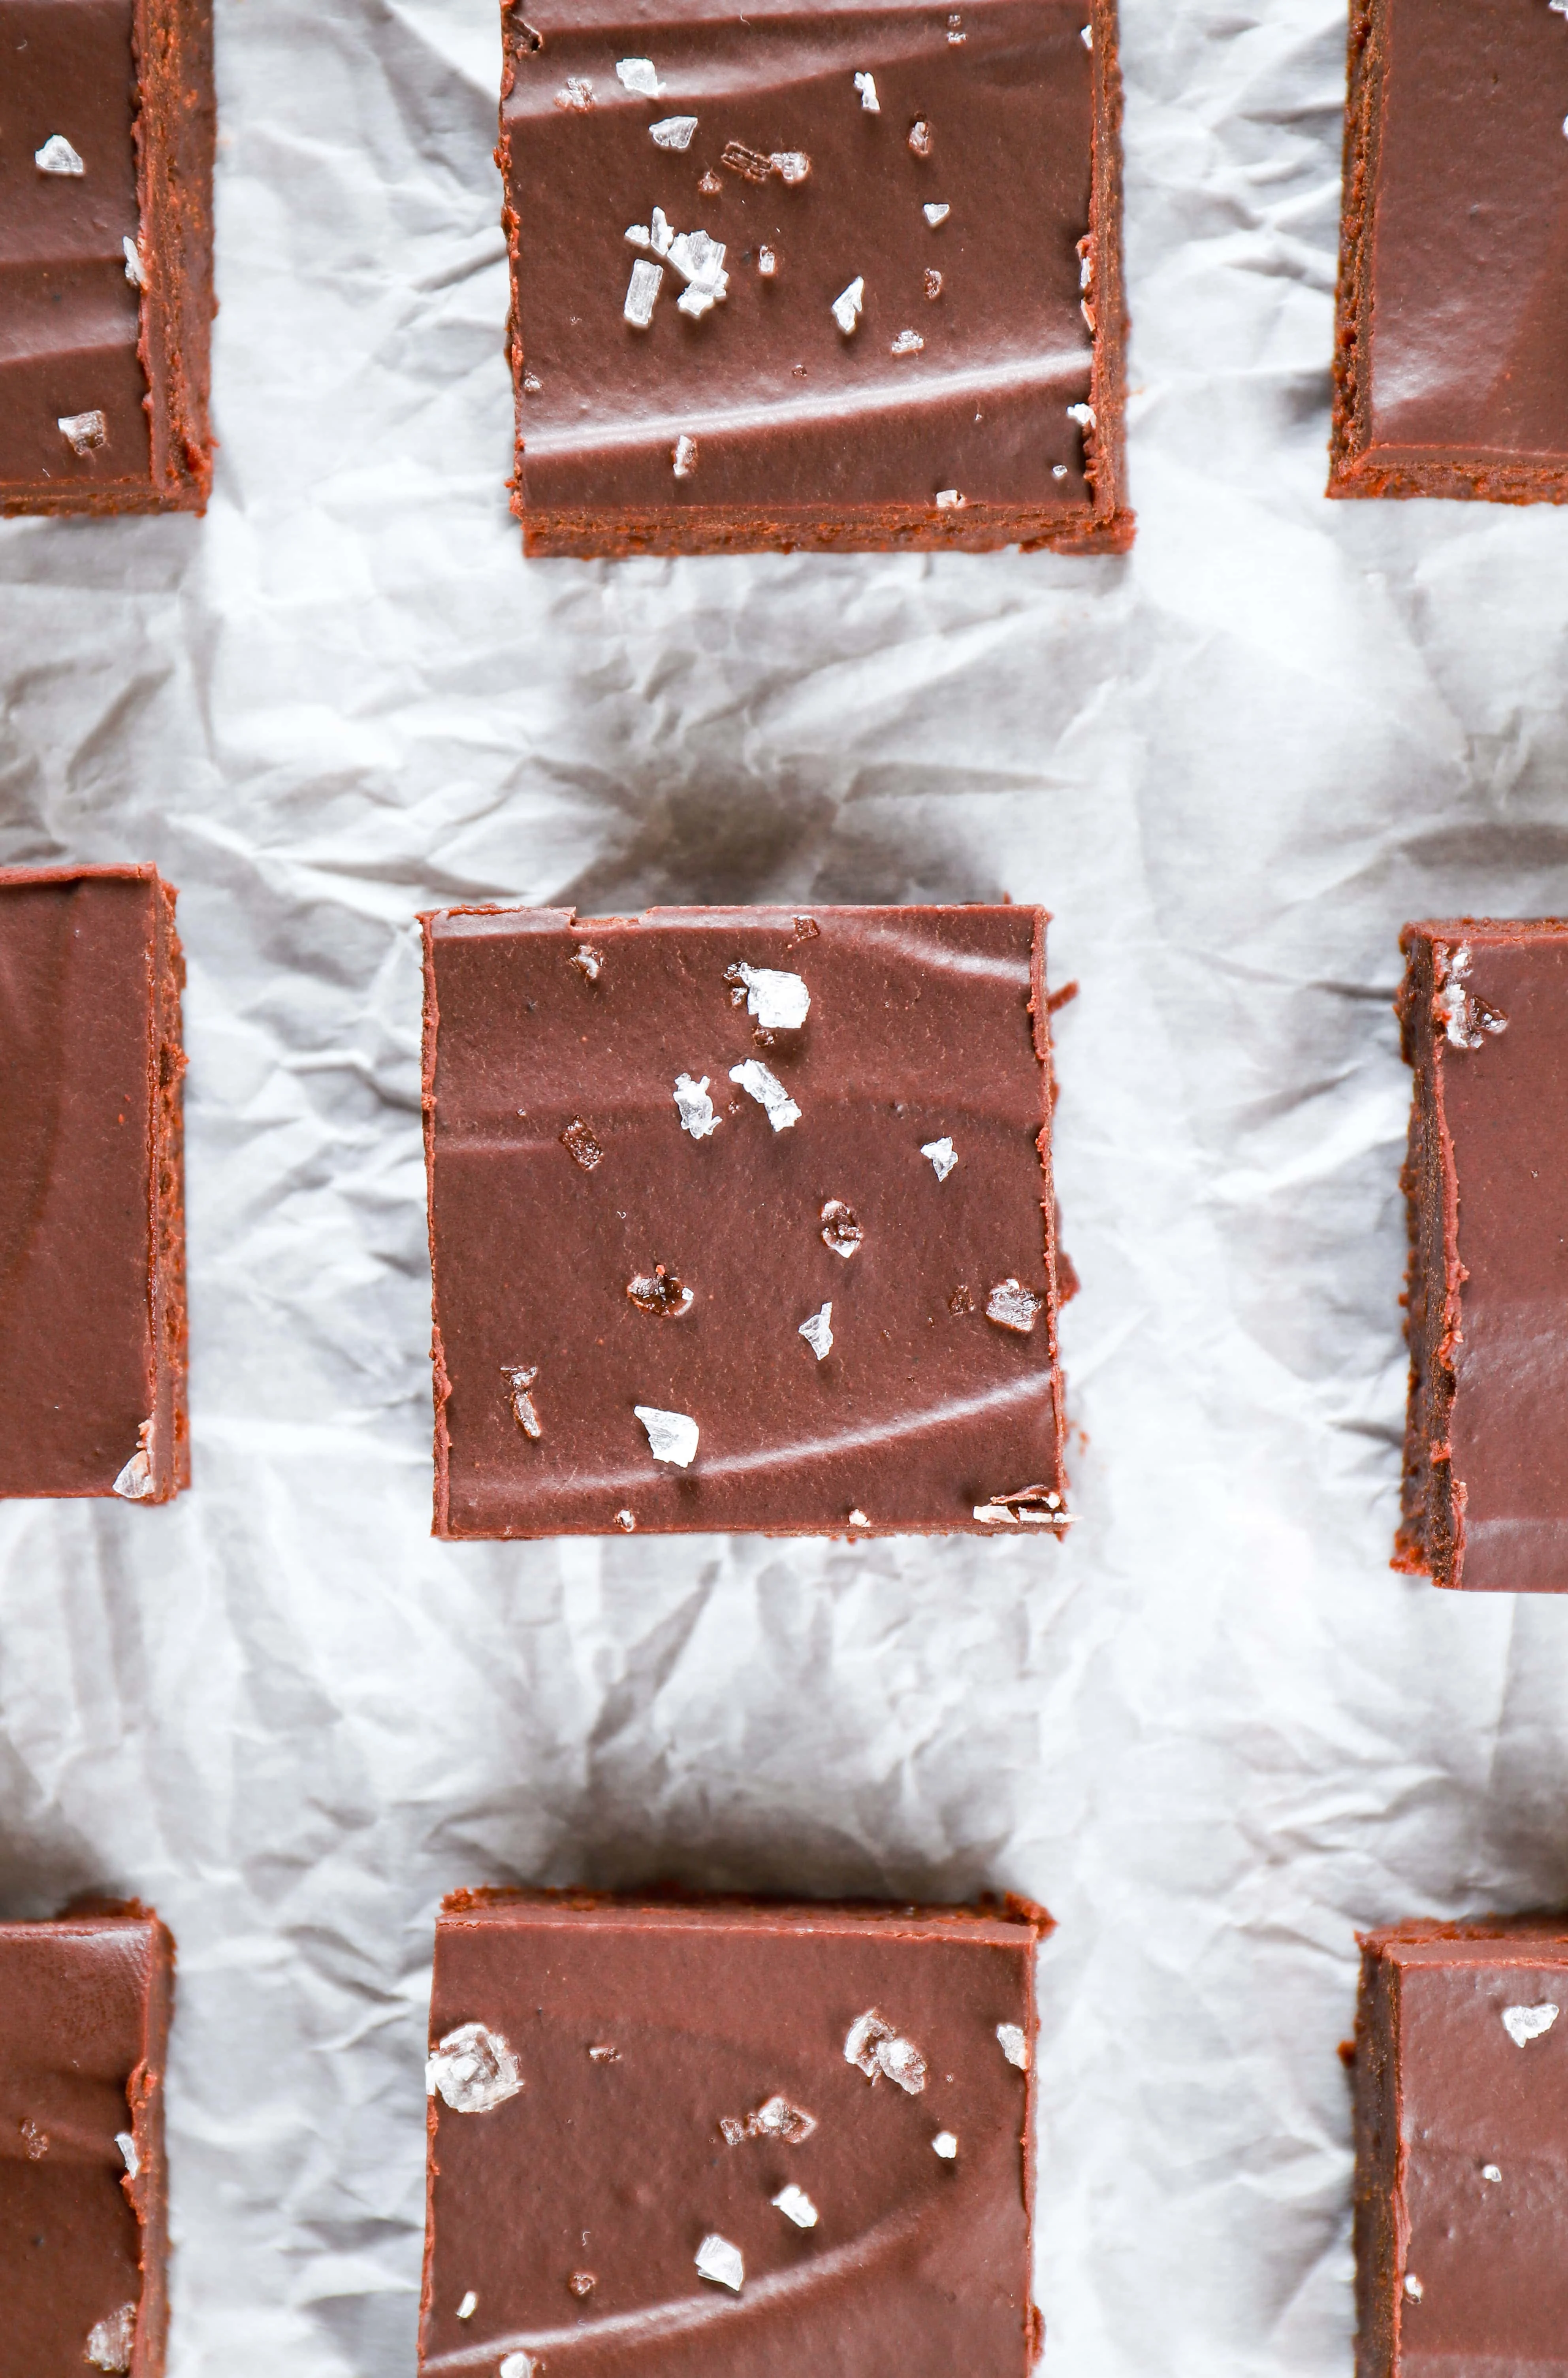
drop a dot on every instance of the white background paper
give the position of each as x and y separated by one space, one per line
1212 1733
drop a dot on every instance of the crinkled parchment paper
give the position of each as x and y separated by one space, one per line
1213 1732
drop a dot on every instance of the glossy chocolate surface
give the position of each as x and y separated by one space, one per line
1486 1012
1462 2179
92 1291
791 418
924 1025
572 2213
84 2017
1459 186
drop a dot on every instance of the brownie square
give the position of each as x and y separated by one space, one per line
714 2135
794 275
106 138
1461 2074
92 1304
740 1218
1484 1017
1451 356
84 2028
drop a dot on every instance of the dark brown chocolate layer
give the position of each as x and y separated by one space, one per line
1451 367
84 2028
92 1307
1484 1015
645 2081
595 1255
1461 2151
104 380
978 342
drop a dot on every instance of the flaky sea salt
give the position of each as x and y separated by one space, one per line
865 84
589 962
873 2046
656 1292
1082 414
719 2260
136 1481
933 281
777 2119
695 1107
517 2365
524 1411
908 342
672 1436
781 1003
818 1332
1012 1306
135 269
576 95
790 164
1014 2045
642 290
469 2306
846 306
920 137
57 156
683 457
796 2207
769 1093
128 2155
840 1227
473 2068
943 1156
857 1519
672 131
1059 470
945 2144
1086 35
1523 2024
935 215
83 432
111 2343
750 163
603 2053
640 76
627 1522
1413 2286
767 262
1489 2170
580 1145
950 500
955 32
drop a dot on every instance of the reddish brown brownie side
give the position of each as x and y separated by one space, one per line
92 1295
1461 2077
1451 350
712 2135
1484 1019
799 277
84 2028
106 139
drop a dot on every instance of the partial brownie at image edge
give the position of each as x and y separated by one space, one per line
1448 371
723 2126
85 2005
92 1267
1483 1013
742 1219
829 452
107 131
1460 2080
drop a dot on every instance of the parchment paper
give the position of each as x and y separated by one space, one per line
1212 1733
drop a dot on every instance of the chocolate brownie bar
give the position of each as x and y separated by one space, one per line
728 2136
106 137
791 275
741 1218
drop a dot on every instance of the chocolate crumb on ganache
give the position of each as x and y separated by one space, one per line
1460 2071
724 228
1484 1017
737 2135
678 1288
92 1293
1450 350
106 139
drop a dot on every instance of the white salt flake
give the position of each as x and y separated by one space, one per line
872 2045
1014 2045
603 2053
136 271
111 2343
777 2119
1413 2286
589 962
683 457
1086 35
767 262
840 1227
672 131
1082 414
920 137
1523 2024
796 2207
656 1292
945 2144
942 1154
672 1436
128 2155
903 2062
57 156
769 1092
908 342
469 2306
136 1481
640 76
950 500
857 1520
695 1107
781 1003
818 1332
83 432
701 263
866 85
531 386
518 2365
719 2260
955 32
473 2069
847 305
1059 470
576 95
933 281
1489 2170
995 1515
627 1522
790 164
935 215
642 290
864 2034
1013 1306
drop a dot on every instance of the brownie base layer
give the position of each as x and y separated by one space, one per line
174 131
1432 1510
984 530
